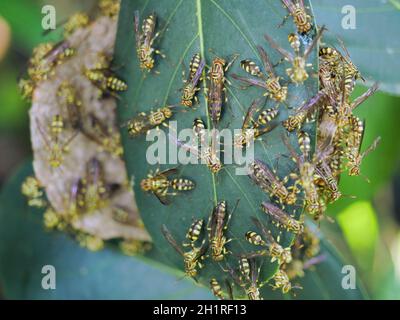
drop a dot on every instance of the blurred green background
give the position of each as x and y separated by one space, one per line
368 225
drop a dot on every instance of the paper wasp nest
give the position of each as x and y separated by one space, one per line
97 38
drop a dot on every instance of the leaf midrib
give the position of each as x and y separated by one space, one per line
202 51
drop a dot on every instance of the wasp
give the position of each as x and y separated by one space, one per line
340 65
145 40
323 172
143 122
268 81
76 199
31 189
275 250
68 98
190 89
269 183
282 219
199 129
159 183
301 19
297 73
192 259
251 129
194 231
216 90
45 58
355 156
247 277
216 289
296 120
102 77
282 282
207 154
345 107
105 136
218 222
305 176
94 188
53 142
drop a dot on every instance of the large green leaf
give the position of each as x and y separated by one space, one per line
374 44
25 247
226 27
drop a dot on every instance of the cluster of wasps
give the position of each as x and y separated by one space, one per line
92 191
42 66
312 184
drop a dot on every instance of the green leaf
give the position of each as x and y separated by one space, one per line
188 27
25 247
374 44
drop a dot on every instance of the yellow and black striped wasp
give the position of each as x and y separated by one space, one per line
142 122
159 184
273 248
191 84
297 72
216 91
54 144
254 128
208 155
217 291
271 184
301 18
194 232
306 173
306 110
282 281
145 40
41 65
217 224
104 78
282 219
268 81
192 259
247 277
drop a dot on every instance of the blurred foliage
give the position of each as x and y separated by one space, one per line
360 227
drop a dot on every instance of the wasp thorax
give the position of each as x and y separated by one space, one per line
146 184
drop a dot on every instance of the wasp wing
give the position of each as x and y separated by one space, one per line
278 48
249 81
266 61
168 236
